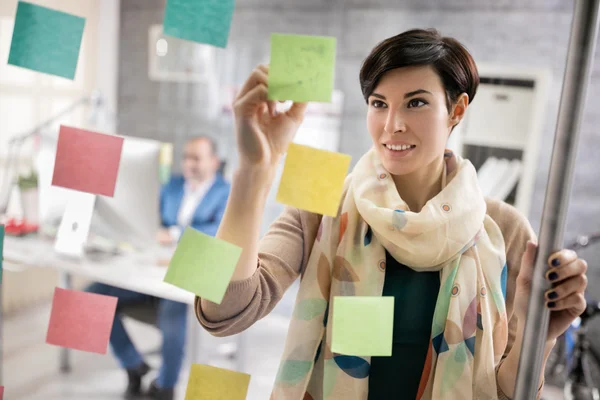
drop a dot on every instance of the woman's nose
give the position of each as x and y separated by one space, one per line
394 123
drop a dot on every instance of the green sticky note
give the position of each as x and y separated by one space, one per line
203 265
203 21
301 68
1 250
362 326
46 40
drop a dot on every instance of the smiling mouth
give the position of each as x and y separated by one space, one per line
399 149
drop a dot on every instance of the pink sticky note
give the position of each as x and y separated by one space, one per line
1 392
81 321
87 161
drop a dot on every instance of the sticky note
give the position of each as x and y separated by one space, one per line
87 161
80 320
301 68
362 326
46 40
211 383
1 250
203 21
313 179
1 392
203 265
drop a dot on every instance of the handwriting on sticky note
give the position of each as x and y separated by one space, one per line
301 68
313 179
81 321
46 40
87 161
362 326
203 265
211 383
202 21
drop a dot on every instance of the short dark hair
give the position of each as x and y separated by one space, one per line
211 141
448 57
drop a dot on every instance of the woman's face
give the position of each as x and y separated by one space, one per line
408 108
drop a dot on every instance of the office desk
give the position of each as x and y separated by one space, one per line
139 272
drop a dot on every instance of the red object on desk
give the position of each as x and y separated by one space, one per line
19 227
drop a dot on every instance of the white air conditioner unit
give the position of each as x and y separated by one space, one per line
176 60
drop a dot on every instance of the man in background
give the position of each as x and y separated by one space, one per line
197 198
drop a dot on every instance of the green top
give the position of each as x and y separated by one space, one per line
415 294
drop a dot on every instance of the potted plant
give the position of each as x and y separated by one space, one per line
28 188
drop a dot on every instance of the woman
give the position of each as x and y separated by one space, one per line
412 224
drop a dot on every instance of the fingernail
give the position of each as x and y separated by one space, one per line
552 295
553 276
555 262
551 304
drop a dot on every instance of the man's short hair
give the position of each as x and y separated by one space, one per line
211 141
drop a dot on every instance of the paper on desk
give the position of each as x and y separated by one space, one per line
362 326
1 252
87 161
313 179
203 21
203 265
75 224
301 68
46 40
211 383
81 321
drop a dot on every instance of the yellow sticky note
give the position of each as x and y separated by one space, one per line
212 383
313 179
362 325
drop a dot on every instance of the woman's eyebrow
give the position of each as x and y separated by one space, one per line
415 92
407 95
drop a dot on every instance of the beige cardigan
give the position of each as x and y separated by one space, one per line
283 255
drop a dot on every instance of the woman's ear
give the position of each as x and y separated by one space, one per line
459 109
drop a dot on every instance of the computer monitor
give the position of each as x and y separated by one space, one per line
132 214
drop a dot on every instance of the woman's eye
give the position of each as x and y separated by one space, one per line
377 103
415 103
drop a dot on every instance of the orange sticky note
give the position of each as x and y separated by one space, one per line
81 321
87 161
212 383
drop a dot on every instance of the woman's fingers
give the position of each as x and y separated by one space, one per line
247 105
257 76
561 272
575 302
296 111
562 257
566 288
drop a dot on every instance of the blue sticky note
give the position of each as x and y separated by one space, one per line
1 250
46 40
202 21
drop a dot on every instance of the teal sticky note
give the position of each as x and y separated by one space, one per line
362 325
1 250
301 68
46 40
203 265
202 21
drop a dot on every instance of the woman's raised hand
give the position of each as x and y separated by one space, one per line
263 135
